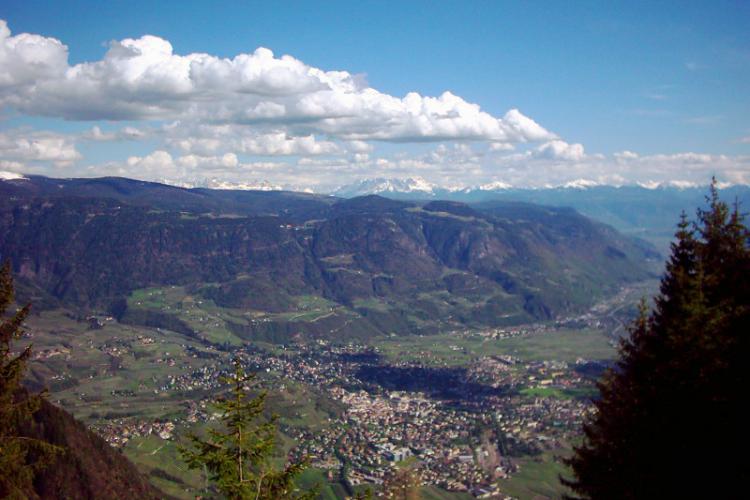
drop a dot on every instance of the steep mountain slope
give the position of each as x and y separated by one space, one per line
89 468
387 266
647 212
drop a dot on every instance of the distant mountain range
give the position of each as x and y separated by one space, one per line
648 211
386 266
415 186
408 186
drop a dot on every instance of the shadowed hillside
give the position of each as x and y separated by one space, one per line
89 467
387 266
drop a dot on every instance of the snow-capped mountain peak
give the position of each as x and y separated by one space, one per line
213 183
11 176
495 186
386 185
676 184
251 185
580 184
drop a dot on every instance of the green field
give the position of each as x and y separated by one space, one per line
168 306
201 315
112 372
537 479
161 461
119 371
451 350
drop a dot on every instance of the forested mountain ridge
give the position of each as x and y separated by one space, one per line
646 211
165 197
88 468
391 266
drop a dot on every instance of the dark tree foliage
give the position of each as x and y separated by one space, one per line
237 456
20 456
669 422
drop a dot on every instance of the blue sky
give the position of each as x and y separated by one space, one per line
650 91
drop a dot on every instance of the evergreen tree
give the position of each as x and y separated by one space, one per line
669 421
20 456
237 456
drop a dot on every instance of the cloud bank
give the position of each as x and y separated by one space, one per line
143 79
187 118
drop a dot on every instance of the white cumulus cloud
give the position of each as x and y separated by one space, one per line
560 150
143 79
125 133
274 118
34 146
